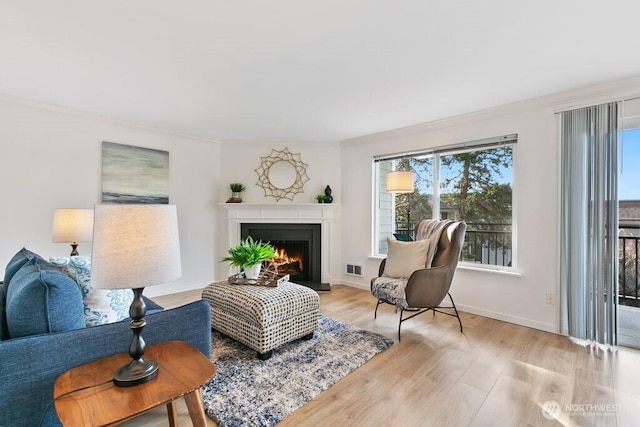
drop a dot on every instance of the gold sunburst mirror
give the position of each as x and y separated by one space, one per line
282 174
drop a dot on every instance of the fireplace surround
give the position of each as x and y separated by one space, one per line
322 214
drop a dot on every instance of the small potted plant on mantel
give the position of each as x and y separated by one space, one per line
320 198
236 189
249 255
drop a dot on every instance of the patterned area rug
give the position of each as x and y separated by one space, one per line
247 391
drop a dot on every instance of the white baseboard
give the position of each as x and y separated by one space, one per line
522 321
363 286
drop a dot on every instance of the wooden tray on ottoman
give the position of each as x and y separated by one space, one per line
266 279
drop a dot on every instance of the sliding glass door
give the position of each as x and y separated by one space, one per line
629 226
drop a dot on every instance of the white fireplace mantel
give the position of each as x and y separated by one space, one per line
289 213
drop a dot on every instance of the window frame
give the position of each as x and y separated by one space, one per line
510 140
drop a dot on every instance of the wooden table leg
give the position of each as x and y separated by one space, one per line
173 413
196 408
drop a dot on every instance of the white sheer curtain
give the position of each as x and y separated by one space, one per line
589 264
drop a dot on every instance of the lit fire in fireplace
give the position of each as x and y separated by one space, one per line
288 264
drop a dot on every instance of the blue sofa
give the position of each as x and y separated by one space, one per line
31 362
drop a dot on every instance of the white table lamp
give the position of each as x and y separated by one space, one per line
72 226
402 182
135 246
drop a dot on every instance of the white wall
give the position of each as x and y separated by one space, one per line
52 157
238 162
517 298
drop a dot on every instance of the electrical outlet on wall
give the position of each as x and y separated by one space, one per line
551 298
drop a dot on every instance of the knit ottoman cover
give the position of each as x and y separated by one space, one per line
261 317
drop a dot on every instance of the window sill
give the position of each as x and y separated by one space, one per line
509 271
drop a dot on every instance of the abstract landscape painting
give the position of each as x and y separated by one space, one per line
134 174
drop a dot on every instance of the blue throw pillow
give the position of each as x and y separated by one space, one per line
3 318
42 299
19 259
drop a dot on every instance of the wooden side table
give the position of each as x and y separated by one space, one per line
86 396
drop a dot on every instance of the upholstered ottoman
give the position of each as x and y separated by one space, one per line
261 317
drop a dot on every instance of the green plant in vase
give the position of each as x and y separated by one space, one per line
236 189
320 198
249 255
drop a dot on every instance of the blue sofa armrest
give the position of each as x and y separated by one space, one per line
29 366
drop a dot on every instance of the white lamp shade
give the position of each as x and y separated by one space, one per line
400 182
135 246
72 225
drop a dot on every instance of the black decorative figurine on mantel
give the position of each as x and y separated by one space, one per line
328 198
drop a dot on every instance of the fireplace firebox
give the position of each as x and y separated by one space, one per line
298 250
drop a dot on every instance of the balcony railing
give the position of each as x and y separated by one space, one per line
488 244
484 243
629 265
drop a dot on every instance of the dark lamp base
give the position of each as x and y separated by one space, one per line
136 372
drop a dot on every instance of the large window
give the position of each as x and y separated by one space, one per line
473 183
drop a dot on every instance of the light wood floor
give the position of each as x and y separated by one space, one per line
495 374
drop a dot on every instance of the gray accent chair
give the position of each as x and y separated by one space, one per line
427 287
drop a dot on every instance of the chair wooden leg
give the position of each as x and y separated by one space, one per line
400 324
456 310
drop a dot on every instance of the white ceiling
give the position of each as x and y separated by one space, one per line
298 70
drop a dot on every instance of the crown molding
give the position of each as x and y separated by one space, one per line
512 108
106 119
611 91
